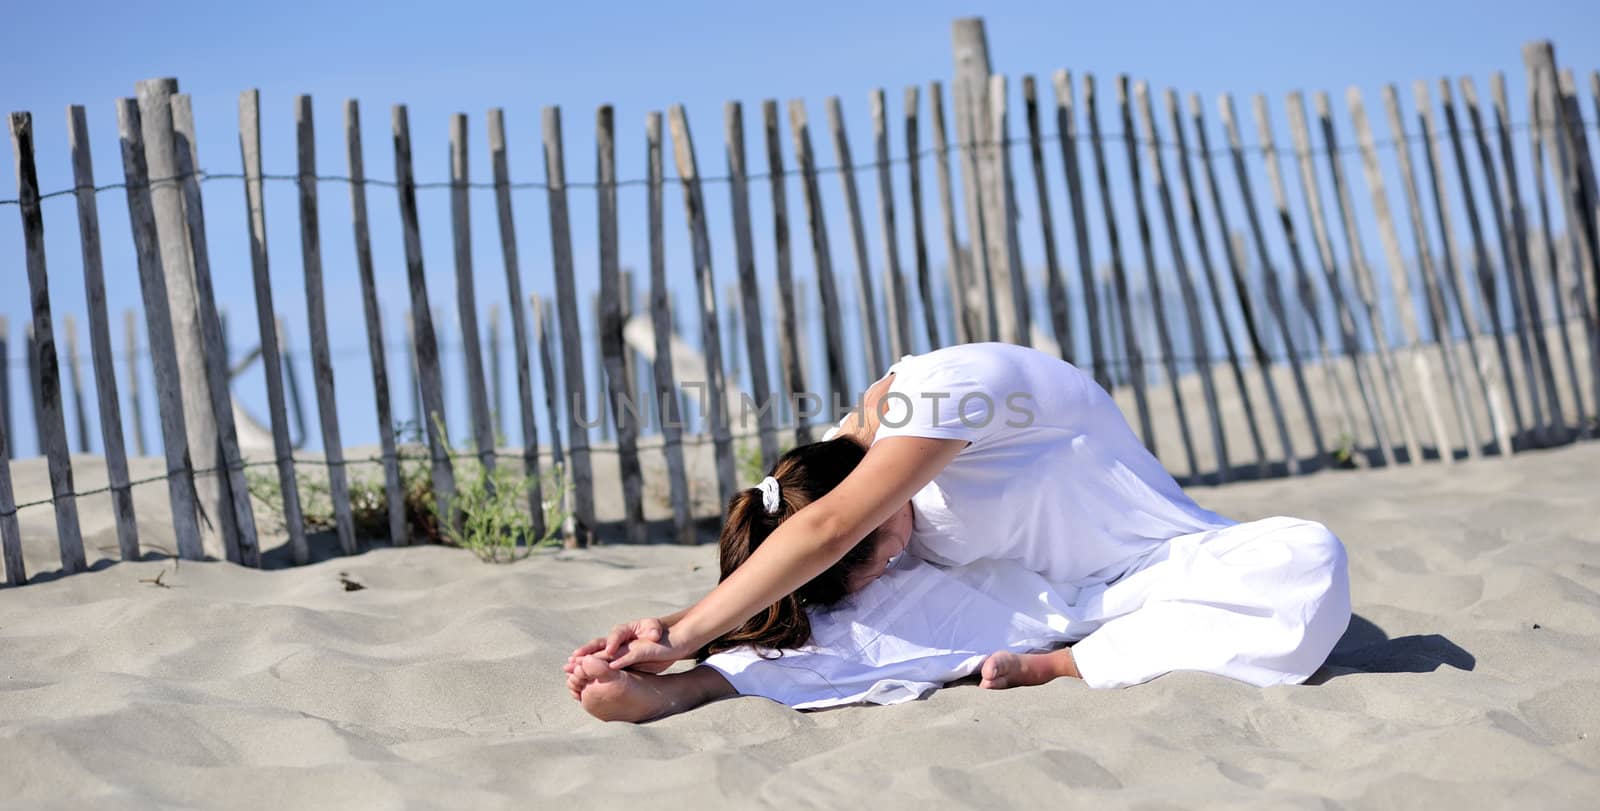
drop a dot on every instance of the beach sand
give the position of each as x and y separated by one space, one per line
1469 678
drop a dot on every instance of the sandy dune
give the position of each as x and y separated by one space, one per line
1470 678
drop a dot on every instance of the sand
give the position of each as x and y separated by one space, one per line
1470 678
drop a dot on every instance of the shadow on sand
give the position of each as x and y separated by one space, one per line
1365 648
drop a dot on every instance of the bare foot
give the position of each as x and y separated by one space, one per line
616 695
1005 669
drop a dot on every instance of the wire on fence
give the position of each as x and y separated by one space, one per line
1113 138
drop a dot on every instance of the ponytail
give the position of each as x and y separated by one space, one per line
803 475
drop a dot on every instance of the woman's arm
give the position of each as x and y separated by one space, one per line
805 545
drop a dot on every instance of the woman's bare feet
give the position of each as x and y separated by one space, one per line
625 695
1005 669
613 695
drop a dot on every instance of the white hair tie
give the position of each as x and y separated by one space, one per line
769 495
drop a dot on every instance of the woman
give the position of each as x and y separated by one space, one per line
999 452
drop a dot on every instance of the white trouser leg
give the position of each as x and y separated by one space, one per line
1263 602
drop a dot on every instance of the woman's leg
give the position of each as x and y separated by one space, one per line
1263 602
624 695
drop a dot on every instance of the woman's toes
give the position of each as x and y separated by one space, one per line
593 668
997 670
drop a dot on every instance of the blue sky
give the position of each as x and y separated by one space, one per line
468 57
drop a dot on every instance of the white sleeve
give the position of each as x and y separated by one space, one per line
938 401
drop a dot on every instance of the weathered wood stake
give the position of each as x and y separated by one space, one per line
54 428
158 329
519 322
666 389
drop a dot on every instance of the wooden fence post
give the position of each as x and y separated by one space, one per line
519 323
1364 286
466 296
1209 276
1398 272
749 287
414 374
1537 135
130 323
968 93
1169 355
497 421
793 371
1577 183
35 397
1529 310
317 325
6 425
166 197
1005 265
666 389
291 377
1508 258
705 283
603 415
239 540
958 273
1582 185
866 298
424 341
1435 301
1237 261
80 415
10 531
1304 286
1067 135
1055 288
158 329
54 429
1480 261
930 319
571 341
1270 283
1453 273
623 408
1191 305
542 317
894 287
272 363
1345 320
822 259
355 160
1119 275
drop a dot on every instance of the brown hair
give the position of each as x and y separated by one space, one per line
804 475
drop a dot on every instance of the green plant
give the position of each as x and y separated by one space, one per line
488 514
490 508
1344 450
369 505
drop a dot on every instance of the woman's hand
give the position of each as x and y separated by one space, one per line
622 639
650 655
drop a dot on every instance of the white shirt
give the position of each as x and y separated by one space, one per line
905 635
1053 477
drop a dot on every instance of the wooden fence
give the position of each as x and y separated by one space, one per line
1247 306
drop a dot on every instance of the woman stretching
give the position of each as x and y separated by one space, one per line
974 457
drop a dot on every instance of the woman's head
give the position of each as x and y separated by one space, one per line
802 476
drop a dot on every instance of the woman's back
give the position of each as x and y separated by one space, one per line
1053 476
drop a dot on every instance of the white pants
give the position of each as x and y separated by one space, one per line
1263 602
